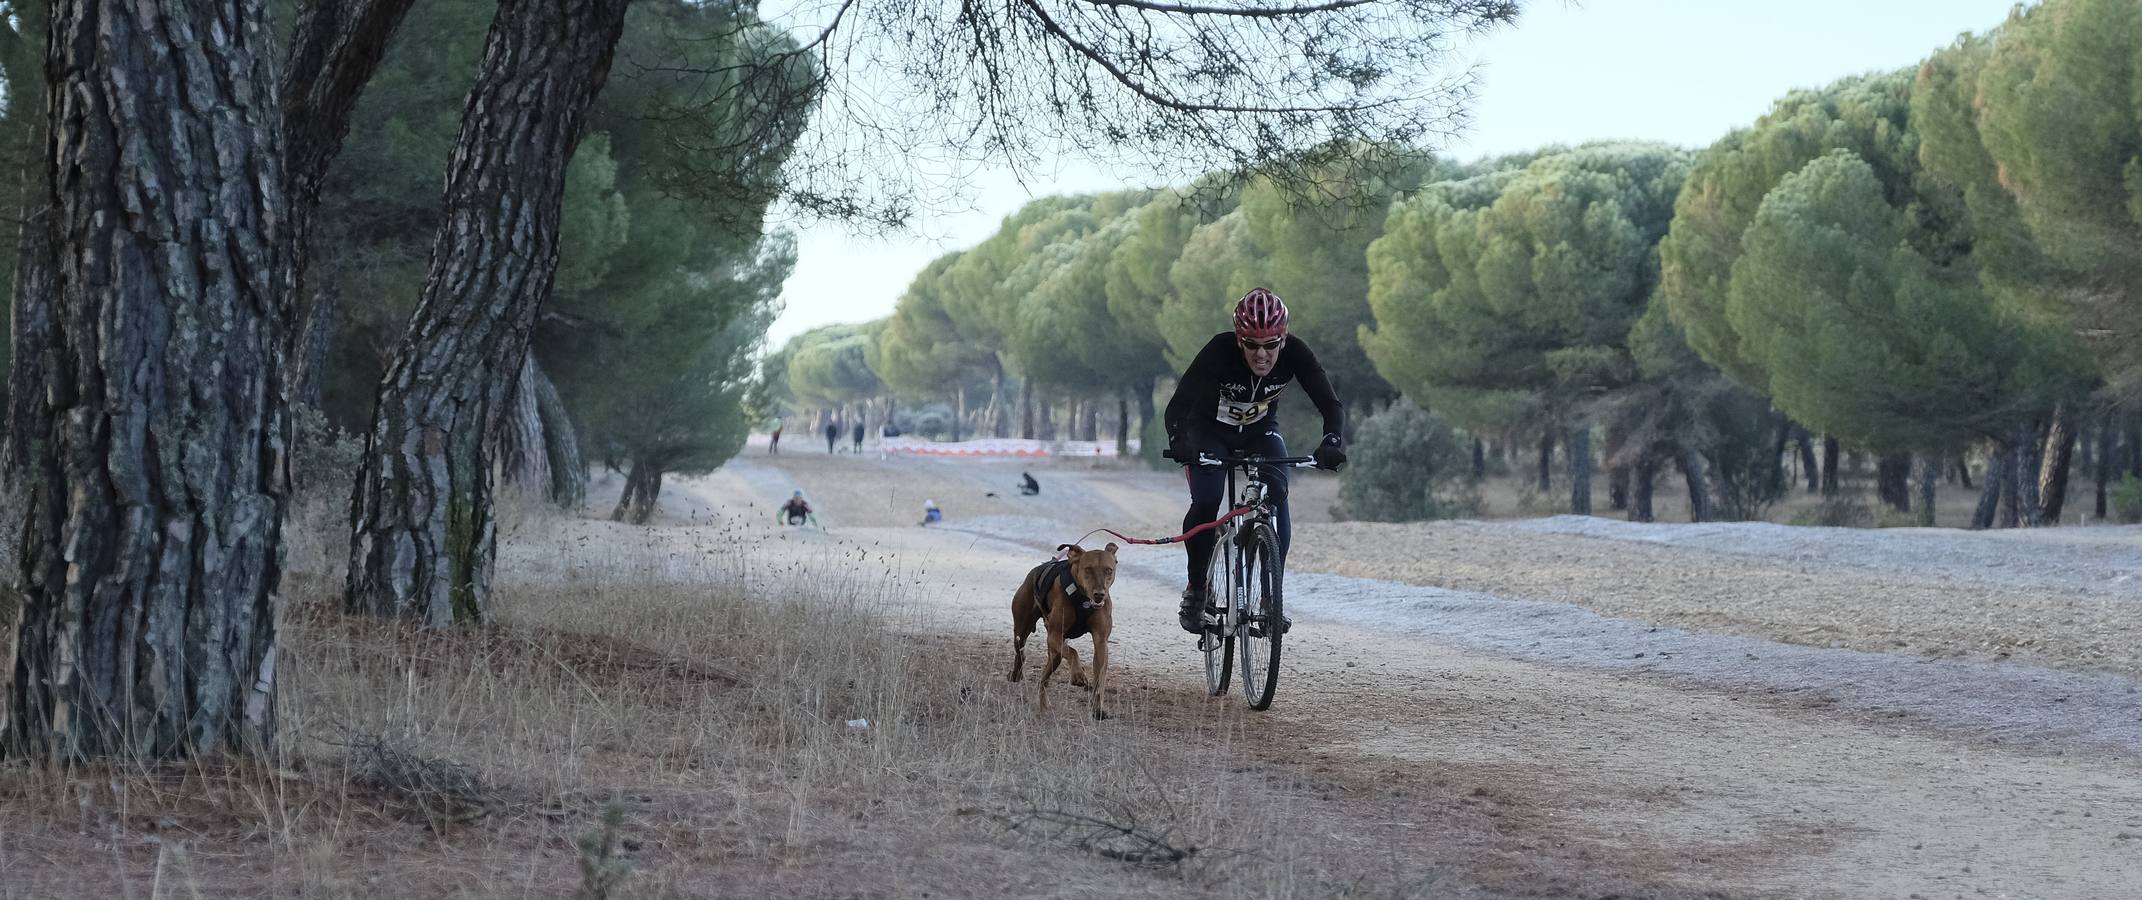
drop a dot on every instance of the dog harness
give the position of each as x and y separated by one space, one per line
1059 573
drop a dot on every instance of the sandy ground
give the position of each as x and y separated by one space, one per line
1744 709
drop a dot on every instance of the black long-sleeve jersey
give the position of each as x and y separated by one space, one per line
1219 383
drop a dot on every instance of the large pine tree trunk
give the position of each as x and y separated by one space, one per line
521 460
2024 469
1693 473
1830 454
333 52
1617 473
1893 481
1580 470
1780 478
1089 420
1989 498
152 550
1808 466
1643 480
423 532
1926 471
561 443
2053 467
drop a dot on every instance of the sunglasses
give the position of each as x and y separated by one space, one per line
1266 346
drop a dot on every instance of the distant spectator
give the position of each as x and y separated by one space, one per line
858 434
1028 486
930 512
774 444
832 435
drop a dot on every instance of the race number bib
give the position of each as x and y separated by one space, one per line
1238 413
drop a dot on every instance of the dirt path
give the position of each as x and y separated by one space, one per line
1682 758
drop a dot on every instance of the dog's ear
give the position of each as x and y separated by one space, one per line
1070 551
1110 549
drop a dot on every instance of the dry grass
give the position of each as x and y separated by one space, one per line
704 702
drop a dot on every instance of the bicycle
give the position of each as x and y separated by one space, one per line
1246 559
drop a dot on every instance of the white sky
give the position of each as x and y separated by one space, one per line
1680 71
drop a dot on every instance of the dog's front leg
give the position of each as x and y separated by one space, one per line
1078 672
1100 670
1056 655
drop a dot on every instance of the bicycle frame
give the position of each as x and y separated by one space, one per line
1251 494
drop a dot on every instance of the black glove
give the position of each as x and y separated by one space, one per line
1331 454
1182 451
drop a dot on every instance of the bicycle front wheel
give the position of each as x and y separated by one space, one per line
1260 621
1218 641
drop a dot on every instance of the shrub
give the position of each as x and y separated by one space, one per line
1407 464
2127 500
325 458
932 421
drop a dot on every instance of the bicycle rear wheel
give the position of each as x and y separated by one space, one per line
1259 628
1218 641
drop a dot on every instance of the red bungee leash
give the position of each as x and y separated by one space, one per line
1208 526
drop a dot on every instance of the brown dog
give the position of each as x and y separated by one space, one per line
1071 596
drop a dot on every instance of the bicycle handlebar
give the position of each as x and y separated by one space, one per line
1203 459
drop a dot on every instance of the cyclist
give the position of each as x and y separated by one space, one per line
1226 402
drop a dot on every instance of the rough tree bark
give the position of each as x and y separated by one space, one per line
1644 478
1893 481
152 547
1807 459
521 461
2023 469
333 52
2053 467
1989 498
1580 470
1089 420
1026 410
423 533
1617 473
1693 472
1926 470
1830 453
561 443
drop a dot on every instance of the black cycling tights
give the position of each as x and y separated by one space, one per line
1208 487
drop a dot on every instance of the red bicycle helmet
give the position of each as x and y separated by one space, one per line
1260 315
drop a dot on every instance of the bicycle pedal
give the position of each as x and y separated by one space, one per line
1208 642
